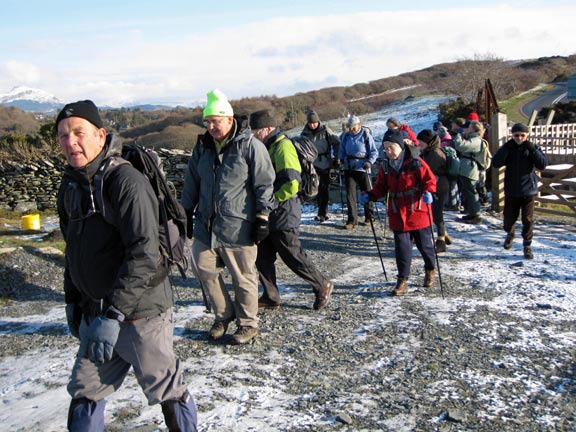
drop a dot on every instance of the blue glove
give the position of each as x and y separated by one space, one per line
73 317
102 335
364 198
427 197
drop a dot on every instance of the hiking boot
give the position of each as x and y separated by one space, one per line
428 278
219 328
401 287
509 240
528 252
447 239
320 219
265 303
349 226
472 220
440 245
323 296
244 335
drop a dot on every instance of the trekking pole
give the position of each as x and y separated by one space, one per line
374 233
341 195
435 252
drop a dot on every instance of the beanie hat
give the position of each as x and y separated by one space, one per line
520 127
353 120
217 105
394 121
84 109
396 137
426 136
262 119
313 117
473 116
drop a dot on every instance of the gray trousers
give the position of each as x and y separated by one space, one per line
144 344
241 263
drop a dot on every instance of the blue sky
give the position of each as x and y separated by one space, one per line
124 52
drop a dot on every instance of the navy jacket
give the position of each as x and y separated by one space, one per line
520 179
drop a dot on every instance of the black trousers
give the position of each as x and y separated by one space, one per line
442 191
323 191
512 208
287 245
403 249
351 180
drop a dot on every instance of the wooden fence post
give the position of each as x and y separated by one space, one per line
498 136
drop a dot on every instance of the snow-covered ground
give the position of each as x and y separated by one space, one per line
33 385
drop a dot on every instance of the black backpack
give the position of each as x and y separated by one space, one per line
172 216
307 154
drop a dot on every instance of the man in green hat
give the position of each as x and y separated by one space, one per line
228 192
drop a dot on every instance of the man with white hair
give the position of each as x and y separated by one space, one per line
357 154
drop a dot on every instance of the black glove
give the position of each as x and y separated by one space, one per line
102 335
73 317
530 146
261 229
366 166
189 224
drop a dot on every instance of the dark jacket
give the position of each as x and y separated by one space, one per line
435 157
326 142
520 179
111 264
288 211
226 190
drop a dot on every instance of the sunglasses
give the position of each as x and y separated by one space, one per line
519 135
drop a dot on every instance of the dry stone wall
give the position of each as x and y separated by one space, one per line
34 185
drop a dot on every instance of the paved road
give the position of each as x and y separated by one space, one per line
547 99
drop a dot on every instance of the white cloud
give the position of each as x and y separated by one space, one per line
285 55
25 73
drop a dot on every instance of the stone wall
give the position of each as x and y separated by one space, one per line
34 185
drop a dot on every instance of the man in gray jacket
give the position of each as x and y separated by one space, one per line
326 143
115 304
228 192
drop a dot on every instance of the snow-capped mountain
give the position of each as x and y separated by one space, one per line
31 99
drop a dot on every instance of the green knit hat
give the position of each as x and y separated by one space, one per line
217 105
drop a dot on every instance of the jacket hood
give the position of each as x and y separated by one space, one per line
270 139
319 129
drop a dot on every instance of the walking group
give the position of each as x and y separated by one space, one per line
242 200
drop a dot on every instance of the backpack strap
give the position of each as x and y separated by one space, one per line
100 197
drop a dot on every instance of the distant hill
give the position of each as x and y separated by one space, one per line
31 100
162 126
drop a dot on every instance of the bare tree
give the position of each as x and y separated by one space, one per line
472 73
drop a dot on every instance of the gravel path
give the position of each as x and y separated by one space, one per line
368 362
